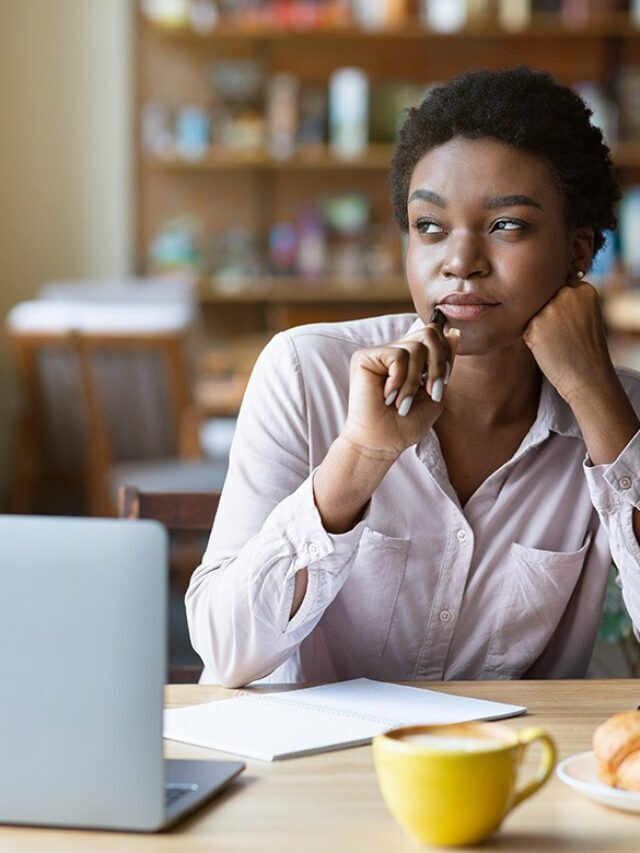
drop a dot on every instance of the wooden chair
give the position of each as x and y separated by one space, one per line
176 510
123 399
142 425
48 423
179 512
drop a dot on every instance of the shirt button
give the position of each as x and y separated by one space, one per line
624 482
313 549
445 616
461 535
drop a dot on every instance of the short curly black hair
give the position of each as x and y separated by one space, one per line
529 110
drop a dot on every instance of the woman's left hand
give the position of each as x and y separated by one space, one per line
567 339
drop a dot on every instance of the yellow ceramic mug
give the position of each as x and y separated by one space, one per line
453 784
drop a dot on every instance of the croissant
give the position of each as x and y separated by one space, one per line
616 744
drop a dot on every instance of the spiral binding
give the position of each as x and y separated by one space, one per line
319 709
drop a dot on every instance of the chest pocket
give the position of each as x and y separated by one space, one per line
530 605
360 615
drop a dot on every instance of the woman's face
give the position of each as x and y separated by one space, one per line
488 240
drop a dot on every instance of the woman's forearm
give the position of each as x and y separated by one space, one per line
345 481
606 419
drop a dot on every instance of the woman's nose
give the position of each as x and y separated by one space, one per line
464 258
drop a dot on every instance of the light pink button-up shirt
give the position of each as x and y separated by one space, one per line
510 585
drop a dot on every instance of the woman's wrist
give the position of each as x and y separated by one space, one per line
360 450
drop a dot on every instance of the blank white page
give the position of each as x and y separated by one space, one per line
281 725
254 728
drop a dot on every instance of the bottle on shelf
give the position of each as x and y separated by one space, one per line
192 133
312 257
444 16
282 115
348 112
514 15
380 14
283 246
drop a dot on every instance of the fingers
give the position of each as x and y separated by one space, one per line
426 364
453 339
414 363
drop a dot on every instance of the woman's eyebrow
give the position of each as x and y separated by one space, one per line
427 195
510 201
490 203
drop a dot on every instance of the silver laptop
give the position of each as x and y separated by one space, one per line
83 636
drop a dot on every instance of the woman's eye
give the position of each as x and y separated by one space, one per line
509 225
427 226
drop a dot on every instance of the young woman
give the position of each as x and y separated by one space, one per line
440 496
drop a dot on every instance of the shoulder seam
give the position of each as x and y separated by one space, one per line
325 335
298 369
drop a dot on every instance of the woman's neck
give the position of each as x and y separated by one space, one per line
494 390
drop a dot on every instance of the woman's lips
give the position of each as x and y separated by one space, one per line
466 311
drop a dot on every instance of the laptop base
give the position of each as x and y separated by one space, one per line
196 782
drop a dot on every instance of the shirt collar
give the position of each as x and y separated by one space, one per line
556 413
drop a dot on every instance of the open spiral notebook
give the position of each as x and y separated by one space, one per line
271 726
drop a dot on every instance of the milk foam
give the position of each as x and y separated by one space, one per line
450 743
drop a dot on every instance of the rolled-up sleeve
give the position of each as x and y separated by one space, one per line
615 493
266 529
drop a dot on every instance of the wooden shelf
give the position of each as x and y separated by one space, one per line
626 155
617 25
293 290
377 157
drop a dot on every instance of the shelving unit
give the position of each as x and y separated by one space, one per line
377 158
252 189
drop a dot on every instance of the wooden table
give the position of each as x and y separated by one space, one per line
331 802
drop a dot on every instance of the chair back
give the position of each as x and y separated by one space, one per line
118 388
176 510
49 420
179 512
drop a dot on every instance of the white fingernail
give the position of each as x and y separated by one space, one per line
392 396
447 373
436 390
404 407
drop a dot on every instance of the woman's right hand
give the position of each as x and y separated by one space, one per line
390 405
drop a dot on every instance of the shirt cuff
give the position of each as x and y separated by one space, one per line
618 482
311 544
326 556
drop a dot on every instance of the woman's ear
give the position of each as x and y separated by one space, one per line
581 250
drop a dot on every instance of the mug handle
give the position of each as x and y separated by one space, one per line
547 760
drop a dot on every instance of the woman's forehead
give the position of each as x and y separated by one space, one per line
482 169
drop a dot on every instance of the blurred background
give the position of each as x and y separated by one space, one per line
180 179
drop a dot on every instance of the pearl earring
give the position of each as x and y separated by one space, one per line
580 275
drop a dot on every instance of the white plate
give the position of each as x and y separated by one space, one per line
580 773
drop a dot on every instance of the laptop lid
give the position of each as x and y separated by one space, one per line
82 665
